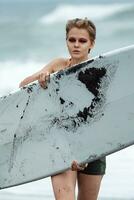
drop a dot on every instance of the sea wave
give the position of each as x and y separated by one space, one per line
127 14
94 11
13 72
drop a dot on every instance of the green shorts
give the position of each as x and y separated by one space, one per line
96 167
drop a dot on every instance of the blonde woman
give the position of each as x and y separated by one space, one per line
80 39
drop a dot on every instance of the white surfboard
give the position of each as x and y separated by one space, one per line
86 112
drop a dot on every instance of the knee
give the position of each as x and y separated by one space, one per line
66 189
65 193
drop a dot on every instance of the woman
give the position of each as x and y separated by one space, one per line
80 39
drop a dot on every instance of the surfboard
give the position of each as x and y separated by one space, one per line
85 113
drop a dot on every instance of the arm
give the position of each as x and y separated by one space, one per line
43 74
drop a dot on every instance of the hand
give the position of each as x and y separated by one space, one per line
77 167
43 78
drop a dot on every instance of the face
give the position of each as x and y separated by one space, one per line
79 43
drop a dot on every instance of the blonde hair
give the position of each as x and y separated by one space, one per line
82 23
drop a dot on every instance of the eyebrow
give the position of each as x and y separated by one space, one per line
78 38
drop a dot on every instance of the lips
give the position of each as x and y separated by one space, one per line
76 51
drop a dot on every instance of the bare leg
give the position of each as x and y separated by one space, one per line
88 186
64 185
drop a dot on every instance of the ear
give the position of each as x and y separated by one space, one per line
67 42
92 44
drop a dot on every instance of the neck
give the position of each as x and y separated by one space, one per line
75 61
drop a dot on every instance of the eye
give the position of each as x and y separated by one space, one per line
72 39
82 40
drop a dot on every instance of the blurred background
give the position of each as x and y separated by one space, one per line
32 32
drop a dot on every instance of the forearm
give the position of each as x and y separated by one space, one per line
30 79
40 75
35 76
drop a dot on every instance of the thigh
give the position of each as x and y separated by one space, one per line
64 185
88 186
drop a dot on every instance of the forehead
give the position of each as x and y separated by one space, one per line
78 32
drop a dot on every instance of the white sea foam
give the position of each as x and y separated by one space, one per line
13 72
96 12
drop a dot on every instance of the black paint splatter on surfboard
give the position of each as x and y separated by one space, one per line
25 107
91 78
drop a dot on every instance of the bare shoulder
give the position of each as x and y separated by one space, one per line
60 60
59 63
56 65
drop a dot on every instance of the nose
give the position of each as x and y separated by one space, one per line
76 44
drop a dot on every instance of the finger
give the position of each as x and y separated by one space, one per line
75 166
47 73
47 78
40 76
44 77
83 166
43 84
78 167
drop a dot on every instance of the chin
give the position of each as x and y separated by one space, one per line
78 56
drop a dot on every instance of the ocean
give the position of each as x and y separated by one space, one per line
32 32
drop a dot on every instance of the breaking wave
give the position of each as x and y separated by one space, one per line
94 12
